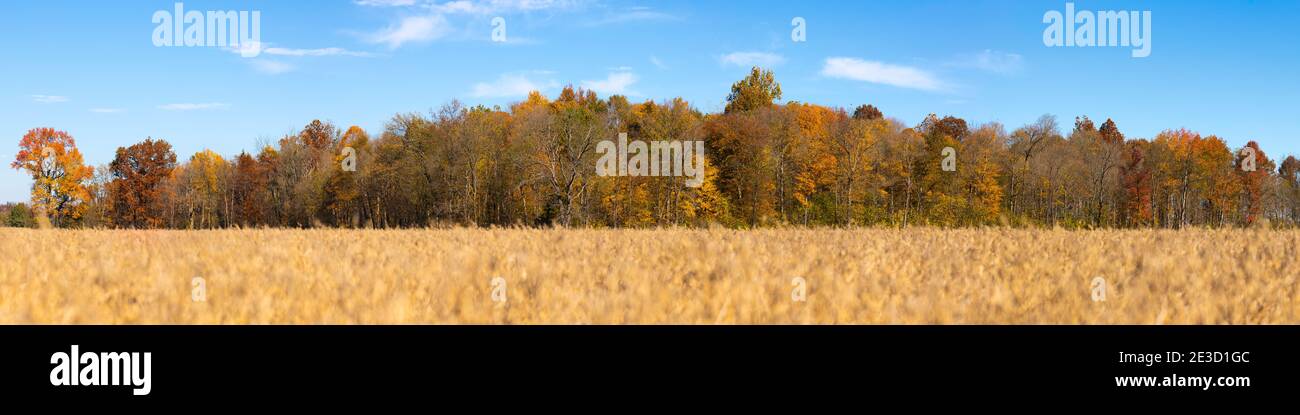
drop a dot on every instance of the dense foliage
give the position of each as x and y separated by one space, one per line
767 164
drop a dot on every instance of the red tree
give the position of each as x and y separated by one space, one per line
1253 174
136 190
1136 179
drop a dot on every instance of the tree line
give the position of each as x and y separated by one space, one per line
767 164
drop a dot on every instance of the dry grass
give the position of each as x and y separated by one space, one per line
649 276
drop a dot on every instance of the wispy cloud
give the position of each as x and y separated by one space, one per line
412 29
194 106
107 110
476 6
992 61
616 83
654 60
483 7
419 21
748 59
267 49
271 67
384 3
632 14
881 73
49 99
511 86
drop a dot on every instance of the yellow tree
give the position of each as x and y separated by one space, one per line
981 173
343 188
58 174
206 173
810 151
758 90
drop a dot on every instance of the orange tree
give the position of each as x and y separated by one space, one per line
58 174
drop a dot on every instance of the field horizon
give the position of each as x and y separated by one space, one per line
649 276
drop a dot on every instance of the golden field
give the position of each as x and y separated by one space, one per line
871 276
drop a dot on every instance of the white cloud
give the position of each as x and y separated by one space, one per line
107 110
385 3
633 14
993 61
511 86
749 59
194 106
500 6
881 73
475 6
271 67
412 29
316 52
615 83
49 99
427 20
654 60
256 49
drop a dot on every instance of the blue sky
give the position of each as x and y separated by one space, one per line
91 68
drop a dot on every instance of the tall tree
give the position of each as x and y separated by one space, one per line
342 193
1135 199
1110 133
249 191
758 90
867 112
138 175
1253 169
318 135
1289 173
205 177
58 174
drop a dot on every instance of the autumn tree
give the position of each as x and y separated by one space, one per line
940 190
758 90
1194 178
855 144
138 175
867 112
18 215
563 146
58 174
1110 133
1289 174
318 135
980 174
1097 158
206 203
1135 196
953 127
1253 169
746 148
341 205
765 163
249 190
1029 187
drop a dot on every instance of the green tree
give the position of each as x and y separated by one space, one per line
758 90
20 216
